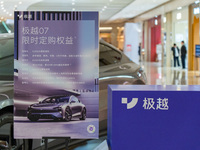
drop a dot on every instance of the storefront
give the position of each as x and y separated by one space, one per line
120 38
194 13
132 39
113 34
153 32
105 33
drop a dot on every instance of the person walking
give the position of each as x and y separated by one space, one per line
175 51
139 51
183 54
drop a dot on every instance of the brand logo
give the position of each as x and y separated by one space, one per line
130 104
91 129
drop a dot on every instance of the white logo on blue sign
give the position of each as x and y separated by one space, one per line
130 104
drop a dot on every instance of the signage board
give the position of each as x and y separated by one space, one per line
56 74
153 117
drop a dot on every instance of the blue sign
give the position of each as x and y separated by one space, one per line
197 50
153 117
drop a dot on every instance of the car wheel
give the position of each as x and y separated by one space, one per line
68 114
83 114
33 119
6 118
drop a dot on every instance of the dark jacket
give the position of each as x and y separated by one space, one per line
183 50
139 50
173 50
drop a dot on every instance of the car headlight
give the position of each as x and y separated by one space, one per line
139 72
29 107
58 108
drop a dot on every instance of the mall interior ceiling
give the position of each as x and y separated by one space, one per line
111 11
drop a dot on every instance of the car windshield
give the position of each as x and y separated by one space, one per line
6 59
56 100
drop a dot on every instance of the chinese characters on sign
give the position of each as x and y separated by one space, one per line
30 38
149 103
36 36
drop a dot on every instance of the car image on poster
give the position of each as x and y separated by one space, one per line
56 72
59 107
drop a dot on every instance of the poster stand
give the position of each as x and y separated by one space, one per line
67 140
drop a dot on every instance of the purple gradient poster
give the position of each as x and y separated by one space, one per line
56 75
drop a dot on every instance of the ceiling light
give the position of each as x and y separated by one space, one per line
164 19
179 8
20 2
105 7
73 3
15 5
196 10
4 10
178 16
73 9
73 0
10 15
111 0
196 2
7 13
156 22
105 28
2 5
1 2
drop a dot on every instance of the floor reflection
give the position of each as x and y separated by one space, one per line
158 75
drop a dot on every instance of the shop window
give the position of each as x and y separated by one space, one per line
108 56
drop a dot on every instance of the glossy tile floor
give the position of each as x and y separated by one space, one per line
157 75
